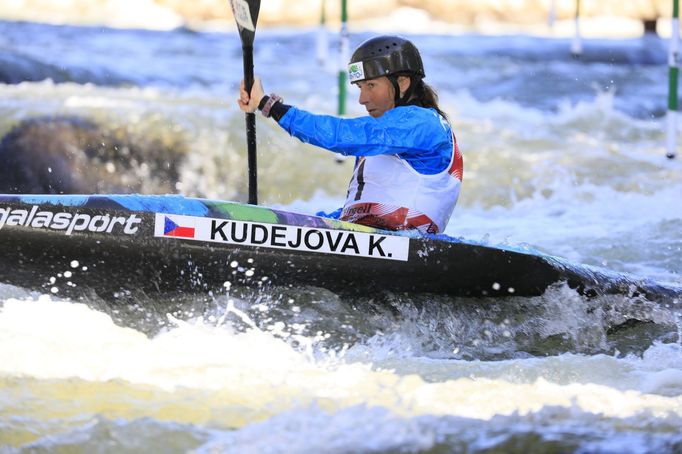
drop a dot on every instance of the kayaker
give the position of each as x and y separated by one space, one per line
408 168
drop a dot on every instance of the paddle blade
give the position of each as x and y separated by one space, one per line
246 14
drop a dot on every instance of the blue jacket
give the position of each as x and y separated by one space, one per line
418 135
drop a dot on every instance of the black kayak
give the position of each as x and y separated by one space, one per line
75 245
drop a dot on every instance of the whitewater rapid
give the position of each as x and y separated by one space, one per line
561 155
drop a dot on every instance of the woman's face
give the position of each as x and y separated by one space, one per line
377 95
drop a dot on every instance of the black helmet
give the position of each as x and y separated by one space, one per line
384 56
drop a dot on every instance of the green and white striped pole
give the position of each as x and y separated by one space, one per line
673 72
577 44
322 39
344 57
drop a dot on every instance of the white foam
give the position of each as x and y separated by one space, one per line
53 339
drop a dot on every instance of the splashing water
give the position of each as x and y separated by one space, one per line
562 156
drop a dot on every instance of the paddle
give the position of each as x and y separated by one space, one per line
246 14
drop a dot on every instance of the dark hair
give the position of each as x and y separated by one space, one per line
425 96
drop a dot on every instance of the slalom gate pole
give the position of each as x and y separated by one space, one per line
673 73
322 38
343 58
577 44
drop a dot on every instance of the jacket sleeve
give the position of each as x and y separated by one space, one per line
405 131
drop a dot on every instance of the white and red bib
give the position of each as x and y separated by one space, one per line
386 192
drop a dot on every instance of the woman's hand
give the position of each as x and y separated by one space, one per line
250 103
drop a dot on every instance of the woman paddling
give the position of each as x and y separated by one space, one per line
408 168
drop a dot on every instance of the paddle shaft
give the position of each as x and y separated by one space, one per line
247 52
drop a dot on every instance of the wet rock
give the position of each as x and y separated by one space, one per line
71 155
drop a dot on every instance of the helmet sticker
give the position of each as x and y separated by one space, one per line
356 71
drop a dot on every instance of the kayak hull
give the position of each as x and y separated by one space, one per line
72 245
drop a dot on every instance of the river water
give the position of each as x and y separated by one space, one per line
565 156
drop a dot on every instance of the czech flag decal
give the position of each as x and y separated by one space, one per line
170 228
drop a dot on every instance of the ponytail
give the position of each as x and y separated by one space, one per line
418 93
425 96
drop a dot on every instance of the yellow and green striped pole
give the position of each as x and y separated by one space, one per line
673 72
344 57
577 44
